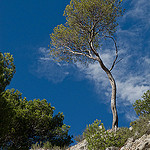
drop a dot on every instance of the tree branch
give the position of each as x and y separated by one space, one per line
79 53
114 62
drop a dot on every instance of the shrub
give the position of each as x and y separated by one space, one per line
29 122
36 146
141 126
99 138
142 107
46 146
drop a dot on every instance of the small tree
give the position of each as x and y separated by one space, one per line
30 122
99 138
89 24
7 70
142 107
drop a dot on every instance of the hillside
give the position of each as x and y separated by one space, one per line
142 143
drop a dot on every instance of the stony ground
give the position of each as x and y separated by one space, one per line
142 143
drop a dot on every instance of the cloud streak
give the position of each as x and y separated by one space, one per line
139 10
50 70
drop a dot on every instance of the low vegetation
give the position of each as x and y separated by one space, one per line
46 146
100 138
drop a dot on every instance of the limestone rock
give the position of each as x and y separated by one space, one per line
142 143
112 148
80 146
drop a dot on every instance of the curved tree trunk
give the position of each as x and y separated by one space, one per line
113 101
113 95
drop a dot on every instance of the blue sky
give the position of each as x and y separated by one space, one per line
81 93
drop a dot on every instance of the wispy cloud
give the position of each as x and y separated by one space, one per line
139 10
130 84
48 69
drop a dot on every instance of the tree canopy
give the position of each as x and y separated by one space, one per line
7 70
88 23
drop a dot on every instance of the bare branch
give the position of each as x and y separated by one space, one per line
88 51
79 53
118 61
114 62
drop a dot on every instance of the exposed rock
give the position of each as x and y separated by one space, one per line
80 146
142 143
112 148
131 128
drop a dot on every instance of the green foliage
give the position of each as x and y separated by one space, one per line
7 70
99 138
36 146
141 126
30 122
6 114
142 107
46 146
87 21
22 122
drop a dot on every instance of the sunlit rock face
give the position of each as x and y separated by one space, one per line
142 143
80 146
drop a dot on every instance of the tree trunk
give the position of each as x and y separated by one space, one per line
113 94
113 101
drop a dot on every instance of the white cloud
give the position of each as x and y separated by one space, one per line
46 68
130 90
130 115
94 73
130 84
147 60
139 10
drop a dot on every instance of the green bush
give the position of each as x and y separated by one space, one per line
36 146
29 122
46 146
141 126
99 138
23 122
142 107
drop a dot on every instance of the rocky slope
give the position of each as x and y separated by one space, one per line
142 143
